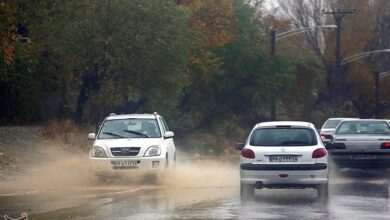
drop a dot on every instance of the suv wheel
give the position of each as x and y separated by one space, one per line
174 161
93 178
166 165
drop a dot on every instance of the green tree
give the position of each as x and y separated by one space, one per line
134 49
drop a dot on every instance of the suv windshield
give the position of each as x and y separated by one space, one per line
331 123
130 128
283 137
363 127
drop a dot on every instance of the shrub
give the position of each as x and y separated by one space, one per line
67 132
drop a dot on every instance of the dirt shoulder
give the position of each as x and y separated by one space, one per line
23 148
19 148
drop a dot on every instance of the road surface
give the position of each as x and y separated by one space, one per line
198 192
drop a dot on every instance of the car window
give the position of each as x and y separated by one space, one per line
363 127
332 123
283 137
165 124
130 128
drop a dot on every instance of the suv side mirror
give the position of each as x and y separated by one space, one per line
91 136
240 146
169 134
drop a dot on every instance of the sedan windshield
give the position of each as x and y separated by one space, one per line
130 128
363 127
283 137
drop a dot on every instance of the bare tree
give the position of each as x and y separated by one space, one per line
381 40
307 13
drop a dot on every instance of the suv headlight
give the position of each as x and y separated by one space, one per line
98 152
153 151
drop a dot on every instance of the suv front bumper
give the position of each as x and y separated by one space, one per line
104 166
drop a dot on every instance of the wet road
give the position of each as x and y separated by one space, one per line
355 195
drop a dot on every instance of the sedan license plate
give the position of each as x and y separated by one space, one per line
363 157
283 158
125 164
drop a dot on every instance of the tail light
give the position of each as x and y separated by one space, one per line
318 153
325 137
339 146
248 153
385 146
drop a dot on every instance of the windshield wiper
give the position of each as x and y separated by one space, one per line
136 133
112 134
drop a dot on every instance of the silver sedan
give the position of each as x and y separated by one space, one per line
361 143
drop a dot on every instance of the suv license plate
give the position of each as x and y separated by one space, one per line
125 164
283 158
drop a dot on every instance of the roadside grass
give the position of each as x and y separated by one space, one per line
7 164
17 144
206 145
68 134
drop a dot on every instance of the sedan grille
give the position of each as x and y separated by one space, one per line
125 151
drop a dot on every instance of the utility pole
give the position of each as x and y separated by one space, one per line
273 50
338 17
377 95
274 38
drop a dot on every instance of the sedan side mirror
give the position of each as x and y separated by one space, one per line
329 146
326 138
169 134
91 136
240 146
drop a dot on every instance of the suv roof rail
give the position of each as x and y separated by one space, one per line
155 113
111 114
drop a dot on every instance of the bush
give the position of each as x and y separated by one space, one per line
67 132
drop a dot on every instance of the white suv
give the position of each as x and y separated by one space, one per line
283 155
127 142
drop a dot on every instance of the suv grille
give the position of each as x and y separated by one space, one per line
125 151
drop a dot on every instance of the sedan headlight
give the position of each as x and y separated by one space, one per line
98 152
153 151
